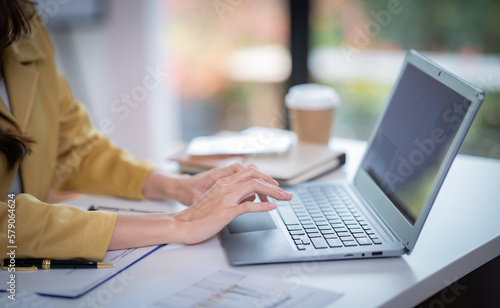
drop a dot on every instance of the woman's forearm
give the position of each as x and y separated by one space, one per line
138 230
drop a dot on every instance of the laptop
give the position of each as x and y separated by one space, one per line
381 212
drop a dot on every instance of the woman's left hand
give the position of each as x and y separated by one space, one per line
187 189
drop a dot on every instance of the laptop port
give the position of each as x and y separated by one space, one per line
377 253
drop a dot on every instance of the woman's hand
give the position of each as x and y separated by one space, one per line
187 189
229 198
221 201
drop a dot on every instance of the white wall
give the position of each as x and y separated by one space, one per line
119 69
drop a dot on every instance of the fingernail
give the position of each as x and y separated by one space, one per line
283 195
272 205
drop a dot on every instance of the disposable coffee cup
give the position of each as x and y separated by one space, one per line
311 109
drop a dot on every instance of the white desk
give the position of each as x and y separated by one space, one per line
462 233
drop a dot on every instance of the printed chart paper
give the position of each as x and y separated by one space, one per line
206 286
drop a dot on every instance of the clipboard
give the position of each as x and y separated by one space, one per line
74 283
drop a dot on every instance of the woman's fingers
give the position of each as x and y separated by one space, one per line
256 186
222 172
263 198
252 207
249 199
195 186
247 174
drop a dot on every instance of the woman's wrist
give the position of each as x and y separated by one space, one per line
134 230
159 185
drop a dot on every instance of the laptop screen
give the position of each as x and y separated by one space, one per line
414 136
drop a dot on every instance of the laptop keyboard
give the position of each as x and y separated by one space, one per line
325 217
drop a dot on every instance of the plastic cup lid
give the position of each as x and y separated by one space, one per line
310 96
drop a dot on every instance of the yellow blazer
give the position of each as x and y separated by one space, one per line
68 155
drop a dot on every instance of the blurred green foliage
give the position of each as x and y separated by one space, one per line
450 26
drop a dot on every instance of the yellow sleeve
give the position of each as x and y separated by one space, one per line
89 162
54 231
79 156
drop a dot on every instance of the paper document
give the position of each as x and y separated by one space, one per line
72 283
253 141
207 286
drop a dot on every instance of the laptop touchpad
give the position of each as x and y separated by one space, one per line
251 222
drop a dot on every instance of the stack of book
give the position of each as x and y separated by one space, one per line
273 151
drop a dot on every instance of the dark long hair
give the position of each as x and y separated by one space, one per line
15 19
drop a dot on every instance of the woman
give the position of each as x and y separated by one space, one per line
46 141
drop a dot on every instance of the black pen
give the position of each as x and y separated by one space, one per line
35 264
115 209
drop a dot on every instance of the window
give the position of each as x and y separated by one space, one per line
357 47
230 61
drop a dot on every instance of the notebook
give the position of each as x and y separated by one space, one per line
302 162
381 212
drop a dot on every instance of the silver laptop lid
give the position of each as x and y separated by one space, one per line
414 143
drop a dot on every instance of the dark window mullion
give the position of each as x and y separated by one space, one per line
299 44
